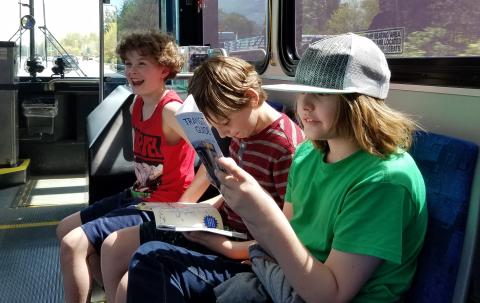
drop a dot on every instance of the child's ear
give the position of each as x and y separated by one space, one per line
165 72
253 96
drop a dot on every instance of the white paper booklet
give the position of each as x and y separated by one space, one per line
184 216
200 135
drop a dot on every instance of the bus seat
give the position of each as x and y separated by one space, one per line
110 149
444 266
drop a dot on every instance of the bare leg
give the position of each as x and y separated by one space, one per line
68 224
75 248
121 296
93 262
117 250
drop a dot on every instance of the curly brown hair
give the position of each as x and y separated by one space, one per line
377 128
219 86
155 44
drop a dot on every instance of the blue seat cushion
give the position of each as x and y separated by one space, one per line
447 165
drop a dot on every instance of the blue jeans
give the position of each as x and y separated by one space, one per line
161 272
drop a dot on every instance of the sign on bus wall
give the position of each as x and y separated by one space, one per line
389 40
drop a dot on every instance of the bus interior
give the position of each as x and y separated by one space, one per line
66 133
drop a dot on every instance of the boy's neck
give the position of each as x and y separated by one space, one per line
155 97
266 116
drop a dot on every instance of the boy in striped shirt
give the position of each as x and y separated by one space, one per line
228 91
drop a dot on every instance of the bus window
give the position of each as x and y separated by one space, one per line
240 27
401 28
122 17
61 33
426 42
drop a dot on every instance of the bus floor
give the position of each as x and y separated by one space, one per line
29 250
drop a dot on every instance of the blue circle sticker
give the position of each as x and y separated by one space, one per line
210 221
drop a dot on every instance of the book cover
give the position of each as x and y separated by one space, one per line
184 216
200 135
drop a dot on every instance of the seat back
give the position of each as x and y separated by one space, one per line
448 166
110 149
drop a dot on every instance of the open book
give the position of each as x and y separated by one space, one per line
200 135
184 216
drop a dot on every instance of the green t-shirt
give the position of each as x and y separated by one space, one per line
364 205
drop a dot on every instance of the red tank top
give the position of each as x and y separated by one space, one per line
163 171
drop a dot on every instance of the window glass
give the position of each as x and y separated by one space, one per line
401 28
239 27
61 31
122 17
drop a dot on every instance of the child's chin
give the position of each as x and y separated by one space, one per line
136 90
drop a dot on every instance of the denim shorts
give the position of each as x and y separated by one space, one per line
111 214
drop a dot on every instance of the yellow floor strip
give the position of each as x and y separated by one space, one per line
28 225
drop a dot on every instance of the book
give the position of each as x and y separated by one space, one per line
185 216
200 135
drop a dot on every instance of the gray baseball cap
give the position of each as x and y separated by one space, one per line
341 64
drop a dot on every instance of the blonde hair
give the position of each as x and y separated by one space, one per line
375 127
219 86
155 44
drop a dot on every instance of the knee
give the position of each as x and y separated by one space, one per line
153 253
68 224
73 243
61 230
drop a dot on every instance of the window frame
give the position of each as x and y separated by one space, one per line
459 71
261 68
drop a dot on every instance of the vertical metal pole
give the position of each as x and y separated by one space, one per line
101 51
45 36
32 32
20 29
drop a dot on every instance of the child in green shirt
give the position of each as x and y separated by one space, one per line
355 198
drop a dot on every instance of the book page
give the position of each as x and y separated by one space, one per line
204 216
184 216
201 137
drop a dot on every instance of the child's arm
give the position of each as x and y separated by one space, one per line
237 250
198 186
337 280
172 130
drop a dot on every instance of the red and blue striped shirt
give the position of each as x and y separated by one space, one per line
267 156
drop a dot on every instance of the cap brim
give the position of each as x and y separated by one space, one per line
299 88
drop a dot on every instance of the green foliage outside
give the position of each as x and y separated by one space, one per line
133 15
239 24
352 18
81 44
438 42
137 15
